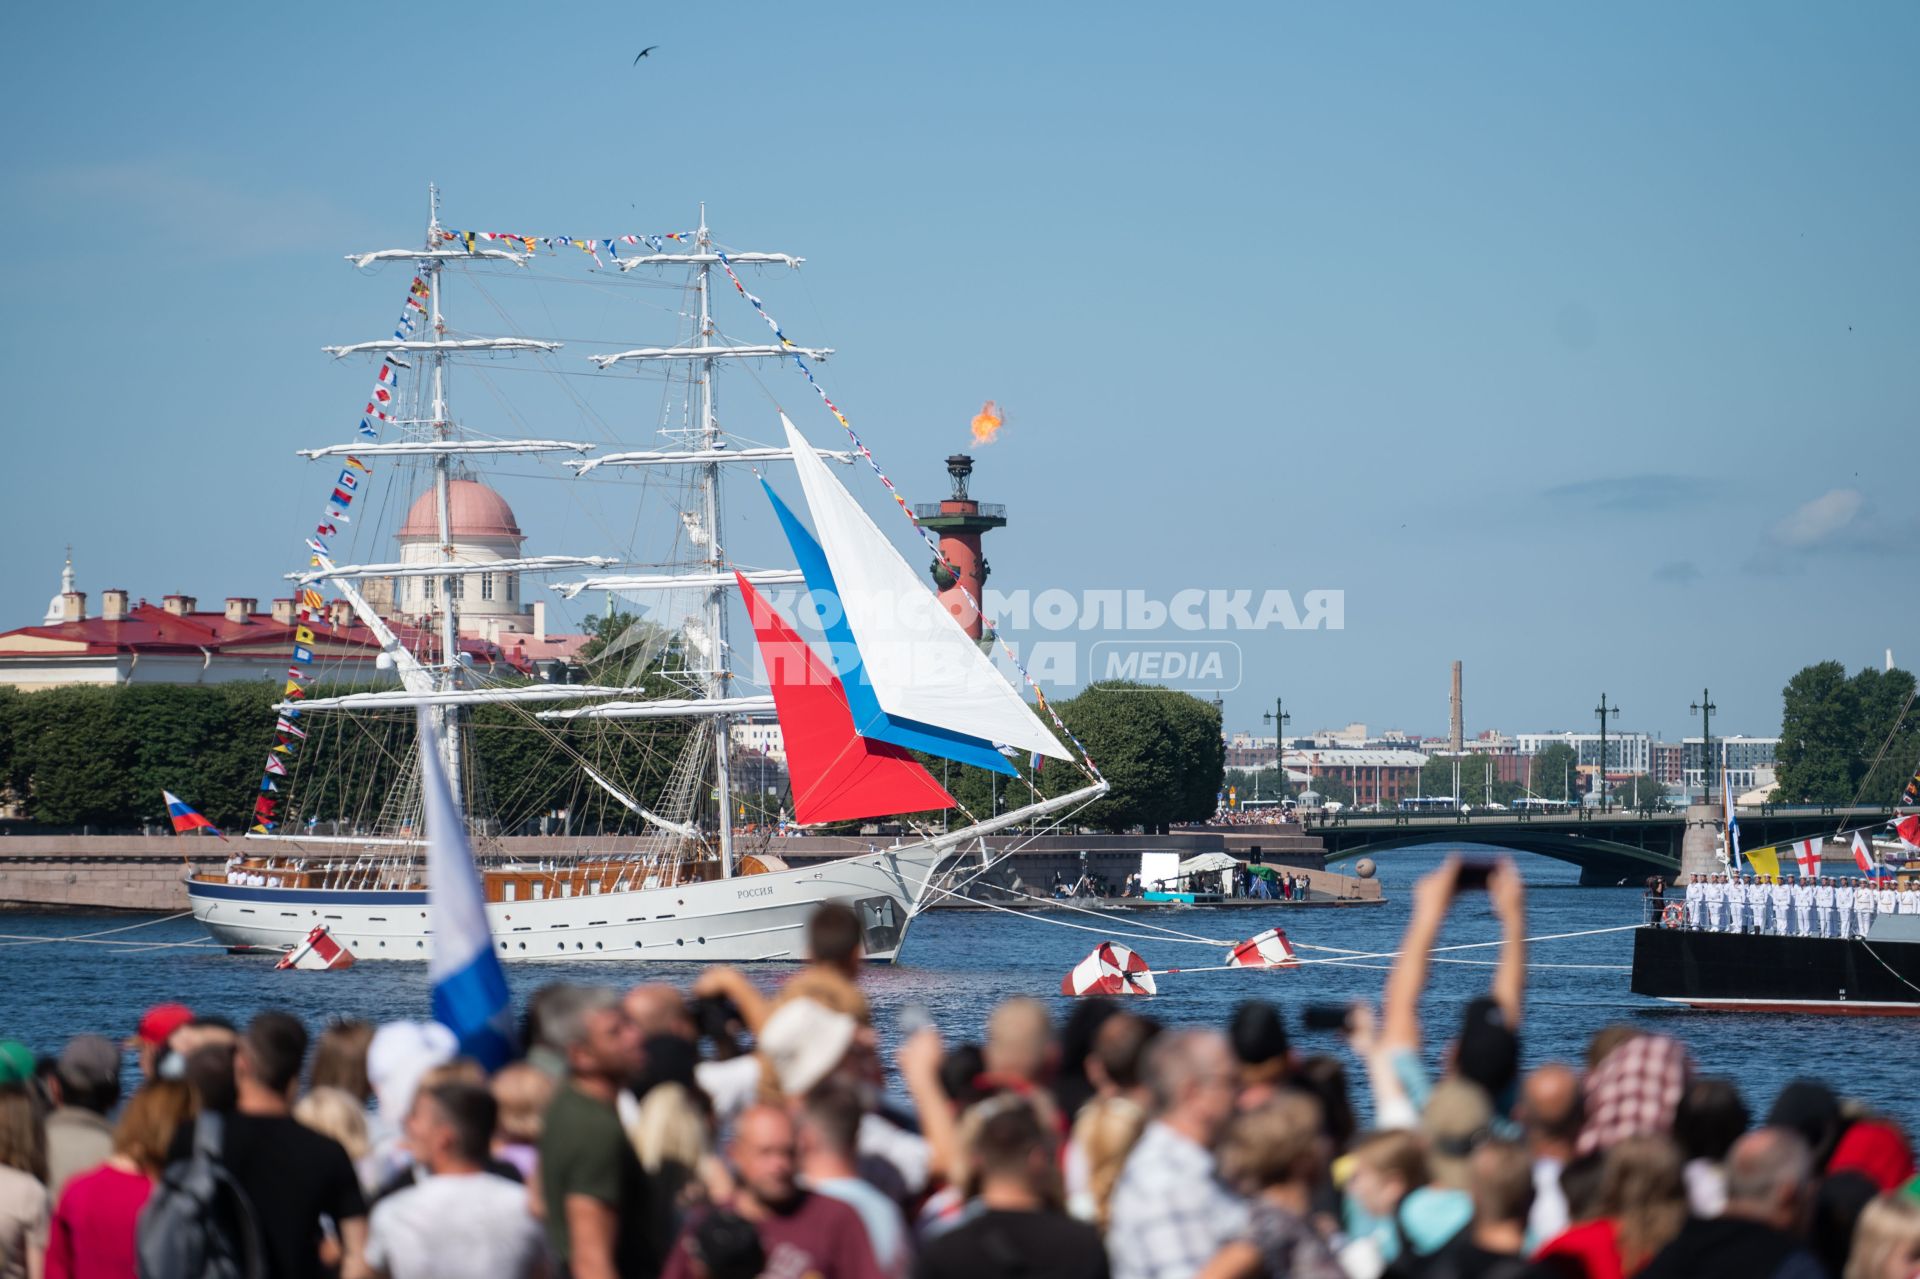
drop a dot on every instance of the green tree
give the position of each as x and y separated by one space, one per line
1831 729
1333 790
1263 783
1553 766
1160 750
1477 782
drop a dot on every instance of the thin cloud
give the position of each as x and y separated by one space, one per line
1839 522
1644 492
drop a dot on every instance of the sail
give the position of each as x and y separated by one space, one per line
922 666
837 774
844 656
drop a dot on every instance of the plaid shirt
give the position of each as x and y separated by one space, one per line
1170 1213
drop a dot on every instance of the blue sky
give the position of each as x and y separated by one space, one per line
1575 343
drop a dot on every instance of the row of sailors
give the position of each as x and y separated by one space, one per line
1825 906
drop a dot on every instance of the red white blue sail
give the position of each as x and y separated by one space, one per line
922 666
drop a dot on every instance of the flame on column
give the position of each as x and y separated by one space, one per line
987 423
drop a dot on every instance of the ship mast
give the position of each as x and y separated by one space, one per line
719 672
442 490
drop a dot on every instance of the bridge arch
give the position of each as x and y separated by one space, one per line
1601 861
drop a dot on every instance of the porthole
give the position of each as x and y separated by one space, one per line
523 945
598 946
703 941
680 941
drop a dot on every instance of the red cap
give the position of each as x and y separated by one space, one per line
159 1022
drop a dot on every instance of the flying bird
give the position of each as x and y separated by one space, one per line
643 53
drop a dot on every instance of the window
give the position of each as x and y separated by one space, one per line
486 586
513 586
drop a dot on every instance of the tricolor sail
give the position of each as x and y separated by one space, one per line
921 666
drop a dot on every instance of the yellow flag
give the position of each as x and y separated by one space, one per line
1764 861
301 635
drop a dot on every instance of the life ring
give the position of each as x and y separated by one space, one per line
1672 916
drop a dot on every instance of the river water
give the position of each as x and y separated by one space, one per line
958 964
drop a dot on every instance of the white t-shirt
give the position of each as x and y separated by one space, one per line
730 1085
466 1226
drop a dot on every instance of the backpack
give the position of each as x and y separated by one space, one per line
198 1223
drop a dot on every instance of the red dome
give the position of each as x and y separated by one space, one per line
473 510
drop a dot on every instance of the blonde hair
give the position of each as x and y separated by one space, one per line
1266 1146
669 1129
336 1113
1395 1152
147 1125
461 1070
522 1092
1887 1239
1106 1133
1644 1189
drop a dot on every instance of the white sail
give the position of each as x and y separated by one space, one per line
921 665
751 352
669 708
435 448
680 581
694 457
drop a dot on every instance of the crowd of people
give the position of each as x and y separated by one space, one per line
1810 906
733 1131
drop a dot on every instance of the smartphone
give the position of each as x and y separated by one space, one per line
1473 876
912 1018
1324 1016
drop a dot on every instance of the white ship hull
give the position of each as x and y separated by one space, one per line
745 919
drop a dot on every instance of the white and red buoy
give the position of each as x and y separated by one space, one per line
1263 950
1111 969
318 953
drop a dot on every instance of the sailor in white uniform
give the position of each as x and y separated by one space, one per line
1736 905
1843 905
1823 902
1696 901
1712 902
1866 904
1803 906
1909 901
1887 901
1782 897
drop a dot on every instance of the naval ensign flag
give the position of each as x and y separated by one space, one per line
469 988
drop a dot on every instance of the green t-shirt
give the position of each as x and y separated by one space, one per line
584 1152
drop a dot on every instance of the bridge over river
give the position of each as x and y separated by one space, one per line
1609 848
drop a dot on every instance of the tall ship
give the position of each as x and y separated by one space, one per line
664 852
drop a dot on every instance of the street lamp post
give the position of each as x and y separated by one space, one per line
1605 712
1705 708
1278 717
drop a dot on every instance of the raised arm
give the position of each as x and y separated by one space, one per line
738 987
1509 896
1400 1004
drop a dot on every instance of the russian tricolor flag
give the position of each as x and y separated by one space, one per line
184 818
470 995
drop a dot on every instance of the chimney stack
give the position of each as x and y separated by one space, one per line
113 606
283 612
1456 734
339 613
240 609
178 605
73 605
540 621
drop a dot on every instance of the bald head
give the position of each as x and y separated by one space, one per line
1550 1109
1020 1040
658 1009
1192 1075
1768 1172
